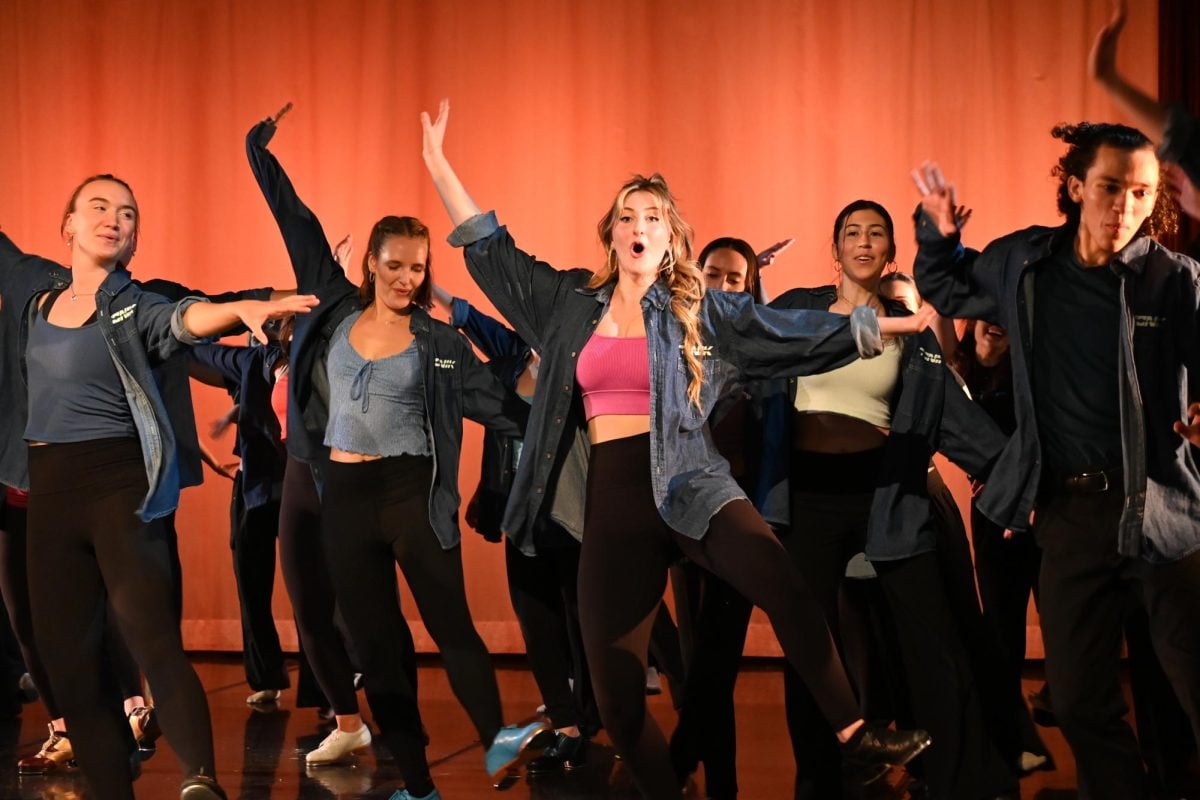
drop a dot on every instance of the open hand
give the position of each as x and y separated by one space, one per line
938 198
1183 190
434 132
279 114
223 423
1102 61
1190 430
253 313
767 257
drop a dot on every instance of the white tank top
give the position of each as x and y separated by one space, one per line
862 389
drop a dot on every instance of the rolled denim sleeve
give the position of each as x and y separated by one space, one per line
1181 142
864 328
472 230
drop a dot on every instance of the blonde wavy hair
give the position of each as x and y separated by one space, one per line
678 269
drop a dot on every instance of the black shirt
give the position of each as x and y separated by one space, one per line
1076 341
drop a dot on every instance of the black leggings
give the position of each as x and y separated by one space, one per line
14 585
306 574
627 549
375 514
545 597
85 542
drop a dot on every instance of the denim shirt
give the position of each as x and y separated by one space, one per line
456 383
930 413
248 374
1158 355
142 330
555 313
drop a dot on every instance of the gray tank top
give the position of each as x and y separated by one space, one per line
75 393
376 408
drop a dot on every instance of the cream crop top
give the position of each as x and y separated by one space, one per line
862 389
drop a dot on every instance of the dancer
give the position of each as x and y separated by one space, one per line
706 732
377 395
862 437
651 354
1101 422
103 472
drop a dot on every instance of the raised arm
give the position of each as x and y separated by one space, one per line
458 203
945 270
1147 113
308 248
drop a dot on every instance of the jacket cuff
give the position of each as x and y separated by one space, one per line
460 312
864 328
179 330
472 230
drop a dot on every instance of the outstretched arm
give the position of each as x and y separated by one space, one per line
944 270
1147 113
204 320
454 196
308 248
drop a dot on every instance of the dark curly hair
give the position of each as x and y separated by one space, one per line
1085 139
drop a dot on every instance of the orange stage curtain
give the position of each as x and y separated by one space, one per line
765 115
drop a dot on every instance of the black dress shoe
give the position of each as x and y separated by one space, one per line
1042 707
873 747
567 753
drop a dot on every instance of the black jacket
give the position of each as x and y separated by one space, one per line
1159 356
930 413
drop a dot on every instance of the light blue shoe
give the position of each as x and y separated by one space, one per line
403 794
514 746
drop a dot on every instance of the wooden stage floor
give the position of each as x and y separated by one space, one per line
260 756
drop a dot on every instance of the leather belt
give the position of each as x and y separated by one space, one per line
1093 482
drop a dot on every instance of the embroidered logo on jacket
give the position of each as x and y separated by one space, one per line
444 363
123 314
701 350
932 358
1148 321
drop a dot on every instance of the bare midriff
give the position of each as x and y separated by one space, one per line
835 433
342 457
607 427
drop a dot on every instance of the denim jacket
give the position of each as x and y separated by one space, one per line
142 330
248 374
555 312
1159 353
930 413
456 383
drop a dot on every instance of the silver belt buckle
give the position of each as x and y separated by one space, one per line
1089 475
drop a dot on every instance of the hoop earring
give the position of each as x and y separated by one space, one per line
370 277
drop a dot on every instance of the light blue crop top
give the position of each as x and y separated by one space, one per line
376 408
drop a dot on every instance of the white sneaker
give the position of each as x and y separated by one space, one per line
339 746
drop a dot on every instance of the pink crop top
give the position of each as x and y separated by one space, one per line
614 375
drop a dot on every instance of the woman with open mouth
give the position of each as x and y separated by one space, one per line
637 355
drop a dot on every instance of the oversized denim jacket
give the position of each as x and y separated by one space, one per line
1158 359
142 330
456 383
555 313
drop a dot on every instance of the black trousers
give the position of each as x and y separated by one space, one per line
374 515
1086 591
306 574
1007 571
544 590
253 534
627 549
86 544
707 731
923 637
